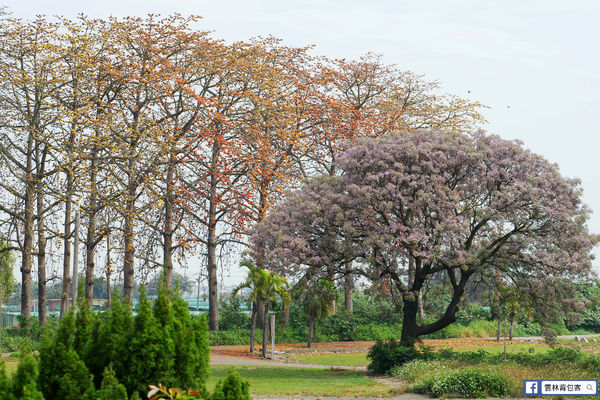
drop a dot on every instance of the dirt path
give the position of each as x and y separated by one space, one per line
219 359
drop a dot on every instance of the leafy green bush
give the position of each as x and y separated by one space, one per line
561 355
231 317
413 370
472 312
232 388
111 389
466 383
233 337
387 354
24 382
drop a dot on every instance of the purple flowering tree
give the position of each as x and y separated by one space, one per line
417 206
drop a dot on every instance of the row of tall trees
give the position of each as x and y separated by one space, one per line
169 141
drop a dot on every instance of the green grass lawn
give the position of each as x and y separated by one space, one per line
345 360
288 381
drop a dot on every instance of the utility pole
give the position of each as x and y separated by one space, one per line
76 259
272 335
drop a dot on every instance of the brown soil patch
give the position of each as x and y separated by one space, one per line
349 347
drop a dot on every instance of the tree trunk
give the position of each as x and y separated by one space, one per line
348 288
41 255
129 252
499 327
108 267
211 244
410 329
213 285
168 228
265 336
252 327
28 220
285 314
510 330
311 327
91 242
261 314
66 284
420 306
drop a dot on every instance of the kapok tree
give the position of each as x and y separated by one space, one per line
454 205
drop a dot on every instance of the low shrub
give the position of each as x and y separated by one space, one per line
466 383
561 355
384 355
232 337
413 370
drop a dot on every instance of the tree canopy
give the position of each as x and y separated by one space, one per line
412 206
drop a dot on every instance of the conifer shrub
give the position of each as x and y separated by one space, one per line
63 375
93 355
110 388
25 381
232 388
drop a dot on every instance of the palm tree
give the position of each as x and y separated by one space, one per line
318 301
265 288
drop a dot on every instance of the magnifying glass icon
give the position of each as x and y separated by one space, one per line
589 387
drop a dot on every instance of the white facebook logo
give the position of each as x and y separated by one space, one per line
531 387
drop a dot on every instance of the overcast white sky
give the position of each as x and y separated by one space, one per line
534 63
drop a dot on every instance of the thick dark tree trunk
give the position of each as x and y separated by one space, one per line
348 288
265 336
411 330
252 327
311 328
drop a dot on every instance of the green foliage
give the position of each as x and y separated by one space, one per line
385 355
466 383
114 350
7 280
412 371
232 388
5 384
110 334
63 375
561 355
150 349
231 317
25 381
111 389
